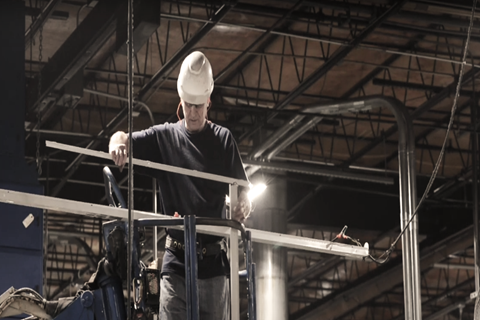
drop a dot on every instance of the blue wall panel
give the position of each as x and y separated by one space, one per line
13 234
21 260
20 269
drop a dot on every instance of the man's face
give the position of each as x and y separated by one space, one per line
195 116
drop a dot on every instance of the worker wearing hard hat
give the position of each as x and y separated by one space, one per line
198 144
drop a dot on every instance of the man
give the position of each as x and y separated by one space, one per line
197 144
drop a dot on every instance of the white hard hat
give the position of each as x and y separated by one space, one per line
195 81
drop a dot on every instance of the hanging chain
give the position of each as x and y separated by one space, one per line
39 116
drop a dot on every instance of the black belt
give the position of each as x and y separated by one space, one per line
208 249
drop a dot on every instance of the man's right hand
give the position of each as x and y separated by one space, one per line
118 149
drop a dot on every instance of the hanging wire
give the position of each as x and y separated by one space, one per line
389 251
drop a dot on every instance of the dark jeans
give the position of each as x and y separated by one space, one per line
213 294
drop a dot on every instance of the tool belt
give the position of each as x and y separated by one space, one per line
208 249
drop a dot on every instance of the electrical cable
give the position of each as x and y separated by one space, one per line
388 252
26 294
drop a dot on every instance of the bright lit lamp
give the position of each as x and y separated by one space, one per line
256 190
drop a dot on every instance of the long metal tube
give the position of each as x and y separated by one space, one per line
250 277
317 170
276 136
407 185
474 140
191 269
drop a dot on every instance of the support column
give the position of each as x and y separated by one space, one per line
270 214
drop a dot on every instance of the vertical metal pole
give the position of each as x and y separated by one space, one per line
233 190
408 197
234 281
250 277
254 292
155 236
191 272
233 255
474 139
130 154
271 260
408 203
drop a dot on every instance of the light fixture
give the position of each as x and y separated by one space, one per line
256 190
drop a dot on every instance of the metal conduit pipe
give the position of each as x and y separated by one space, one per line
407 186
294 136
271 140
276 136
317 170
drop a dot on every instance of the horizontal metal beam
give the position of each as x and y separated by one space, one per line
107 212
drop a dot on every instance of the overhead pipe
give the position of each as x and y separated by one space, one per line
407 186
276 136
294 136
316 170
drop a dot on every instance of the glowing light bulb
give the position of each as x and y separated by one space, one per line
256 190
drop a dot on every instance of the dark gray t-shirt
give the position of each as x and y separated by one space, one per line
212 150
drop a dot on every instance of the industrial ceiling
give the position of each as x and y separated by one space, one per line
274 62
